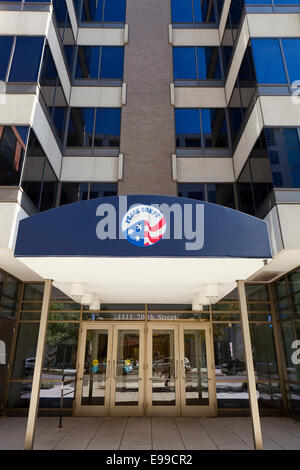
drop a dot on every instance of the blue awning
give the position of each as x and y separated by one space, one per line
143 226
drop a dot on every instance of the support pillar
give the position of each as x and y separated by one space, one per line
256 426
39 359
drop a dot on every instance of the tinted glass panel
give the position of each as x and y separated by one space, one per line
22 69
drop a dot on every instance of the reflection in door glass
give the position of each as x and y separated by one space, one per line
194 368
94 379
163 368
127 368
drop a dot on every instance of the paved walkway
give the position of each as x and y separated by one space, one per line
150 433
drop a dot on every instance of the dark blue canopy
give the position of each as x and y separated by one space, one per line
93 228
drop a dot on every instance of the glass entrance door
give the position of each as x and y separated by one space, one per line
110 380
94 371
180 378
127 386
126 369
197 378
163 371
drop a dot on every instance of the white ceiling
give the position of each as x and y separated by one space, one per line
144 280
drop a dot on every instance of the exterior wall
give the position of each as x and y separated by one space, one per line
289 217
147 128
205 170
90 169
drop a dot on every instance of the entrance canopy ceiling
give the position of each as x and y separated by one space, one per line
143 249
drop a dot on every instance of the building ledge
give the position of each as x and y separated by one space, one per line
15 194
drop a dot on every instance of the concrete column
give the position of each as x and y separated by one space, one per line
38 368
147 128
256 426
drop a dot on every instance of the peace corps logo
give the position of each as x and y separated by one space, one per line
143 225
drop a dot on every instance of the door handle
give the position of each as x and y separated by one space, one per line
108 371
183 370
176 370
114 370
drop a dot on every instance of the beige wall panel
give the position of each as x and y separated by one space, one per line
72 15
237 59
274 231
266 25
17 109
44 133
205 170
224 17
31 23
199 97
58 60
280 111
251 132
110 97
195 37
289 217
100 36
90 169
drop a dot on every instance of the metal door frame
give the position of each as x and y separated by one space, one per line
145 406
191 410
93 410
134 410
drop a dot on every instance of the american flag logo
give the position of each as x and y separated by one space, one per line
144 225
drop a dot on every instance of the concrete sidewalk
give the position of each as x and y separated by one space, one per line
150 433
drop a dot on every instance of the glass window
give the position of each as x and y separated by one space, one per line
33 292
292 370
201 128
87 64
22 69
268 61
184 63
25 351
193 191
292 59
263 351
52 91
61 349
49 190
38 181
11 287
285 141
94 62
81 127
73 192
294 281
214 128
208 63
193 11
12 147
114 11
5 51
110 11
196 63
90 127
107 127
221 194
229 351
103 190
112 62
188 128
2 279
